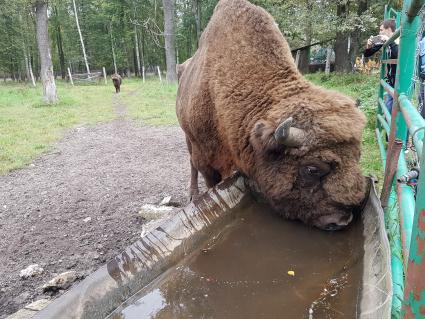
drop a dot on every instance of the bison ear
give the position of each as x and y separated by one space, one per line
262 136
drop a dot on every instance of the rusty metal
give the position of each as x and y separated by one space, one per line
390 170
414 9
389 61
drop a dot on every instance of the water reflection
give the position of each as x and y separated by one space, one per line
146 307
243 273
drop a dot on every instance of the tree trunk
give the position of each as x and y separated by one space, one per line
356 35
328 60
81 38
27 69
60 45
142 49
136 47
47 78
113 49
30 69
196 10
304 58
341 48
170 52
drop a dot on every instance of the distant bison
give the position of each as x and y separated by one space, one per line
116 79
244 106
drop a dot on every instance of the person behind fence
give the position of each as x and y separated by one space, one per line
116 79
375 43
421 77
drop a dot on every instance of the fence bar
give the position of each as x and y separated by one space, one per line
415 122
384 123
391 9
406 200
414 294
385 110
388 88
381 147
390 170
397 273
395 35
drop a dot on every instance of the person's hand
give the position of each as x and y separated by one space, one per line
384 37
369 43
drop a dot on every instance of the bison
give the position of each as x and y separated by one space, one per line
117 80
244 106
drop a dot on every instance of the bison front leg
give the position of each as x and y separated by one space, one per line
193 187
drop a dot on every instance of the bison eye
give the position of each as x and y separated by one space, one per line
313 171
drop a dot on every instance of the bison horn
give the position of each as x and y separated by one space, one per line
289 136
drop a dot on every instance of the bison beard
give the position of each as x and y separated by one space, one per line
244 107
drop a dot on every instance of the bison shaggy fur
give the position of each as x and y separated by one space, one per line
116 80
234 93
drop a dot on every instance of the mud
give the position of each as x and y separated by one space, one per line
104 172
261 266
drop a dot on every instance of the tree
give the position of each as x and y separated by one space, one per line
170 52
196 9
59 43
47 75
81 37
341 48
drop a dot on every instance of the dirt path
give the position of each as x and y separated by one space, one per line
107 173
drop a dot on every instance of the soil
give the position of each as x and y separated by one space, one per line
105 172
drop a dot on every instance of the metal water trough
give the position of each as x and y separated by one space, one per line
163 247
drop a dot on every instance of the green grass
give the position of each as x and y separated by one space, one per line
28 126
363 87
152 102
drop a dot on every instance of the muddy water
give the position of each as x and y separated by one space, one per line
243 273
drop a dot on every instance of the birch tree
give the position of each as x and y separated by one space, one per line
81 37
113 49
47 75
170 52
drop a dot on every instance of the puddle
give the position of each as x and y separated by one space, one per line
243 273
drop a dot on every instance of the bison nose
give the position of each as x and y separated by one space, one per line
335 221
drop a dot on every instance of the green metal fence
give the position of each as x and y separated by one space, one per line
405 205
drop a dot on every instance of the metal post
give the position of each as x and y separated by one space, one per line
414 293
104 75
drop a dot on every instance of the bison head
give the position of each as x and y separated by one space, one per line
307 163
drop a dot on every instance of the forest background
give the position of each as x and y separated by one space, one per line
128 36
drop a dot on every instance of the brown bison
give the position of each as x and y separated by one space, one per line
117 80
244 106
